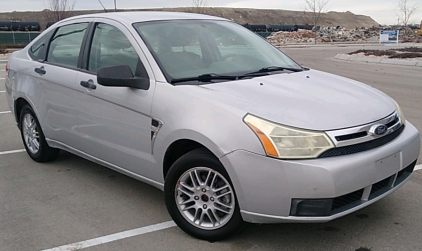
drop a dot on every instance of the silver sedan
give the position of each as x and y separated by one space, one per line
227 125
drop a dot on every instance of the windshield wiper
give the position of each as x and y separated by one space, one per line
205 78
277 68
208 77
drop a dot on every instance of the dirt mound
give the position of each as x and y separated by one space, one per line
239 15
266 16
404 53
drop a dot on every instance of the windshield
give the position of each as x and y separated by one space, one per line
191 48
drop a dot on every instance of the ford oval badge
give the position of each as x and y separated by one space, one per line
378 130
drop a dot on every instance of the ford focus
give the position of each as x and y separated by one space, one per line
228 126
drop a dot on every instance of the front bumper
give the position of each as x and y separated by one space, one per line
266 186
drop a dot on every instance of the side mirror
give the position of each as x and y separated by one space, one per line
121 75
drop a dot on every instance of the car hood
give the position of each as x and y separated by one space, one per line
310 99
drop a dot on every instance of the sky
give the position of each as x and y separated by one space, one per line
382 11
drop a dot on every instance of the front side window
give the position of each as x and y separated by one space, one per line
110 47
190 48
65 45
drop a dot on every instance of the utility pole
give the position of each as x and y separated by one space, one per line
115 5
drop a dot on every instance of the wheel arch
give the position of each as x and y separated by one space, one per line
191 143
177 149
19 105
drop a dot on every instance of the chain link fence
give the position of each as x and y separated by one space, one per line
14 38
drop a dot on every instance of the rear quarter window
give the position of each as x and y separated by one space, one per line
38 50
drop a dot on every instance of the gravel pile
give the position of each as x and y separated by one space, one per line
332 34
339 34
297 37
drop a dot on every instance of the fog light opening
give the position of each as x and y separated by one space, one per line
311 207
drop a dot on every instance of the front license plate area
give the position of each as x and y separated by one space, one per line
388 166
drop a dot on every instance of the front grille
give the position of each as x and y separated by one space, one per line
403 174
400 174
379 186
393 122
347 199
351 136
365 146
354 199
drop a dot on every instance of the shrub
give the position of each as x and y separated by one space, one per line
3 49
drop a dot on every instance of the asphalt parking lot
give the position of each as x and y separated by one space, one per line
73 201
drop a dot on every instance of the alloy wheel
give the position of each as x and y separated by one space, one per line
31 133
205 198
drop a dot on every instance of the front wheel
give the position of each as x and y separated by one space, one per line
33 137
200 197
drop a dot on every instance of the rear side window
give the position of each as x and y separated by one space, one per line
39 48
65 45
111 47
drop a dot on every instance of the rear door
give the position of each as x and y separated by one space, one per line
53 73
115 122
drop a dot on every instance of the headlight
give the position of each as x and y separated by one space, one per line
401 114
286 142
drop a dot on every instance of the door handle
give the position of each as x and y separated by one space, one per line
89 84
40 70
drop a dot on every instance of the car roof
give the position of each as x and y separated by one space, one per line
144 16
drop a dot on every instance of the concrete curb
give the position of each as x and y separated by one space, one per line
343 57
378 60
369 44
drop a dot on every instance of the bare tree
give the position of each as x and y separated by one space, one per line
199 5
314 9
406 11
60 9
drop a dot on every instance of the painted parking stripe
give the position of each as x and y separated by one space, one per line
2 78
13 151
114 237
5 112
2 91
418 167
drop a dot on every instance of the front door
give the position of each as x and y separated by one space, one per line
115 122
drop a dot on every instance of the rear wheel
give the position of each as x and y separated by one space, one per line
33 137
200 197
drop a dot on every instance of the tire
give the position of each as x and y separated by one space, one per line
212 200
33 137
